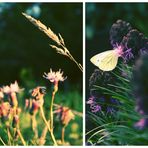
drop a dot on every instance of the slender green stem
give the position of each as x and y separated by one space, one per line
2 141
63 135
9 136
47 124
43 135
51 111
34 125
21 137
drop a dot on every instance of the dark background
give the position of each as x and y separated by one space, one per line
99 19
25 53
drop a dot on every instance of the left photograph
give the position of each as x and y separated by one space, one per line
41 78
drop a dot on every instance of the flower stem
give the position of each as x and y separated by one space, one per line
9 136
47 124
21 137
2 141
63 134
34 125
43 135
51 111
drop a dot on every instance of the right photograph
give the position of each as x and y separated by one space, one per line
116 74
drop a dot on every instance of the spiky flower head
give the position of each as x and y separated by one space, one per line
13 88
54 77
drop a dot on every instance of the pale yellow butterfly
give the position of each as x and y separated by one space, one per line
107 60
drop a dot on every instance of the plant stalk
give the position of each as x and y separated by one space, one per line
47 124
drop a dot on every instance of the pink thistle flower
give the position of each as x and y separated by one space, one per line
118 50
54 77
13 88
142 123
6 89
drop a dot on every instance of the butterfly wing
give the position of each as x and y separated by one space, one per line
106 61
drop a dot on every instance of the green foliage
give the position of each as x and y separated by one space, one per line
118 128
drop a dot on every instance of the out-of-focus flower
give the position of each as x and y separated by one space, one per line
108 104
35 107
140 85
131 40
65 114
6 113
141 124
97 100
94 106
4 109
13 88
37 101
1 93
6 89
54 77
118 30
135 42
38 92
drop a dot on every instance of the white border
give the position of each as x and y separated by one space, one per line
84 54
84 70
78 1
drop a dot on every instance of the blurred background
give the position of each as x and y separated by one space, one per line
25 51
25 55
99 19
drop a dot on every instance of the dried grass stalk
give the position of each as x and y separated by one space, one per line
63 50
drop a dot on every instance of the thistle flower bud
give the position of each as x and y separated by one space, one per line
135 41
118 31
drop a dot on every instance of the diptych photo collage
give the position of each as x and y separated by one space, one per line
73 73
